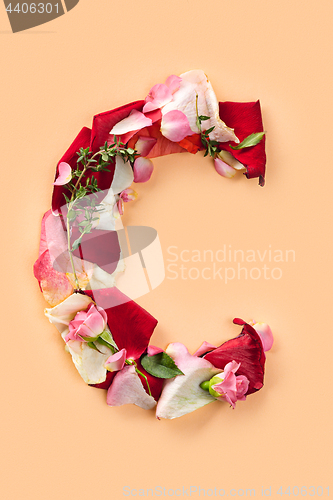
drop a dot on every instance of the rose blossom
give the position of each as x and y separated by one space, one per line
90 323
226 386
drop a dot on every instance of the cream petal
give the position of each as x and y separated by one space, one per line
123 176
196 83
89 363
183 394
230 160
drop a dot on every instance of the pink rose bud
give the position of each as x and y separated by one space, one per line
89 324
226 386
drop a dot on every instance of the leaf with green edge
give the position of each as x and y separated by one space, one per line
250 140
160 365
107 337
202 118
92 345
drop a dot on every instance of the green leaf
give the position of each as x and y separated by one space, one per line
107 337
250 140
160 365
202 118
76 244
92 345
209 130
89 339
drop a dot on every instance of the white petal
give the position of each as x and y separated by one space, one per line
196 83
62 314
183 393
123 176
135 121
88 362
127 388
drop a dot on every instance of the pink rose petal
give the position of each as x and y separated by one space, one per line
144 145
204 348
127 388
265 334
173 82
152 350
135 121
224 169
64 174
143 169
54 285
175 126
128 195
158 96
116 362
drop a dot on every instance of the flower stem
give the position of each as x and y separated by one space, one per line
70 250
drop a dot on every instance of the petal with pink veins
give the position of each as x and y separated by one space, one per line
127 388
204 348
224 169
144 145
143 169
158 96
64 174
175 126
128 195
183 394
135 121
265 333
55 285
116 362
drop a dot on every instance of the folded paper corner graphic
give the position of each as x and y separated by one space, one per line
29 14
70 4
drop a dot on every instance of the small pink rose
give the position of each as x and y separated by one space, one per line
226 386
90 323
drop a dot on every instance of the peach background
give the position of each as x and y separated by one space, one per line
59 439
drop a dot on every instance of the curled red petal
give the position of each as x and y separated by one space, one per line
245 349
245 118
131 325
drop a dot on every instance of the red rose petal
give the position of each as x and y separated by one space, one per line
104 122
246 349
155 384
131 326
99 247
245 118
